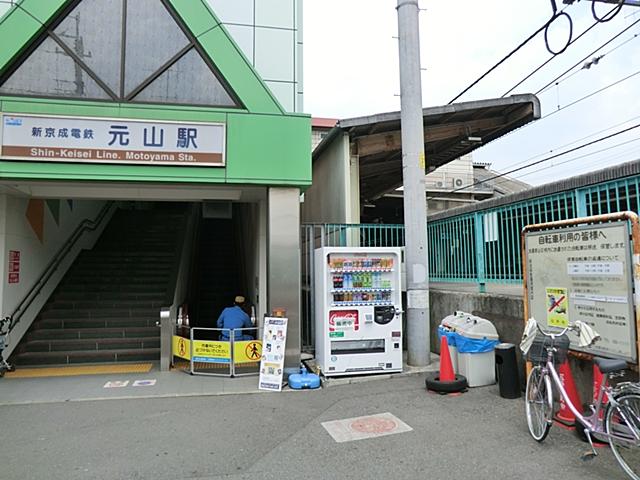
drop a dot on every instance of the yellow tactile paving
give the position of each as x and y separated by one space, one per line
79 370
185 365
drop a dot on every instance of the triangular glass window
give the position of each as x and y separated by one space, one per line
93 31
50 71
153 38
87 55
188 81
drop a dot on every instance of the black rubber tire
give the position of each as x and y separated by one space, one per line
433 383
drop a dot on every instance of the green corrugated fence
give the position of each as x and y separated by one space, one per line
478 247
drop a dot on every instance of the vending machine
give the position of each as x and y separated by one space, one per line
358 310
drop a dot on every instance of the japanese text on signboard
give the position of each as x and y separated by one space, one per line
112 141
584 273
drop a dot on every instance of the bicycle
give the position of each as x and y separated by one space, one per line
615 416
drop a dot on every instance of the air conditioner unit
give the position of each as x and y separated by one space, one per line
440 184
457 182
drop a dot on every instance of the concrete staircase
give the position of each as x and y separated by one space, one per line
106 307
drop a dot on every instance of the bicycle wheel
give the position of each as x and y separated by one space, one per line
623 421
539 404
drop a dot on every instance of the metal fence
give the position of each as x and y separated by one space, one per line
482 246
219 352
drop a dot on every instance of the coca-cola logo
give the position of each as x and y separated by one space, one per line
342 316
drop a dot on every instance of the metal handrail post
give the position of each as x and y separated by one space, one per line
232 366
191 369
480 261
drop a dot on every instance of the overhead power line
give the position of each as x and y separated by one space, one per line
600 90
545 63
579 157
544 28
504 59
573 142
546 159
589 56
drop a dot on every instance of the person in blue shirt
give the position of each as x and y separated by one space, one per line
232 318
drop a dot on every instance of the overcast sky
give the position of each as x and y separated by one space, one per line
351 65
351 69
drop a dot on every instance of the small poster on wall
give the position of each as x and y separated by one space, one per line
14 266
274 341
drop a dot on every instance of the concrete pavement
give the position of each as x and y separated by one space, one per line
477 435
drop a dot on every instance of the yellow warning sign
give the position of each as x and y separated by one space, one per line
247 351
557 307
211 351
181 347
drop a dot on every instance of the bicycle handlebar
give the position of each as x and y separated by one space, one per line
570 327
587 336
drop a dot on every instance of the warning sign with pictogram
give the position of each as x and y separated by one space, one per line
247 351
557 307
182 347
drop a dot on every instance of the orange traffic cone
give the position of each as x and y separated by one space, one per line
565 415
446 368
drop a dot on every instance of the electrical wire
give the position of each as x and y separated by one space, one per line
504 59
573 142
591 94
544 64
579 147
621 144
608 16
552 82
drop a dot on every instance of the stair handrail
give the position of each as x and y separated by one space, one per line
52 266
177 287
175 269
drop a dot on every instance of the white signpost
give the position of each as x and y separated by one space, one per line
584 273
274 340
94 140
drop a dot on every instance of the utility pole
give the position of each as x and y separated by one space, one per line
413 171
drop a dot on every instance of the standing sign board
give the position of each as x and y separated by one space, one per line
274 341
584 273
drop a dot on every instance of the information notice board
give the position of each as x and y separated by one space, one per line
274 340
584 273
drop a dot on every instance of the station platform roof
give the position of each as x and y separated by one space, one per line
450 131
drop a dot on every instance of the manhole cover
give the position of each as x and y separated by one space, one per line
374 425
371 426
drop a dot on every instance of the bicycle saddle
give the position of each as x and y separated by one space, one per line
607 366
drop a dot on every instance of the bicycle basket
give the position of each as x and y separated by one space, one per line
538 351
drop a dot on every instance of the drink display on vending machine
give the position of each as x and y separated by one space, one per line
358 310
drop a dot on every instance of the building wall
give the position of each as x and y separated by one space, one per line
18 233
330 198
455 174
506 314
317 135
269 32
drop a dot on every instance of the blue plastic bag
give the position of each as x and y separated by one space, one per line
451 336
474 345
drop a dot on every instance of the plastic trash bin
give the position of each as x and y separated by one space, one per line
507 370
447 328
476 340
